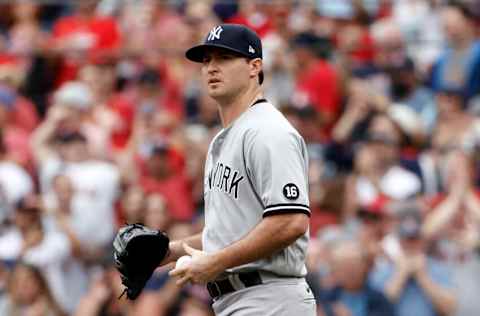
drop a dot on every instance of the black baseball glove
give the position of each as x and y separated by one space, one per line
138 251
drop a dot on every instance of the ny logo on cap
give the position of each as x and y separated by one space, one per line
215 33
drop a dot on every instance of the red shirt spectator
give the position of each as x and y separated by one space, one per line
125 112
164 174
80 35
24 114
317 85
177 193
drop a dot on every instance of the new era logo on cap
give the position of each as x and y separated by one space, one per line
250 49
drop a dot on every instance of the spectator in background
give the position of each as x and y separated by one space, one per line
353 295
74 102
132 205
29 240
15 183
81 35
156 213
375 223
415 282
364 101
390 51
456 127
453 225
196 140
154 101
28 294
459 65
76 217
406 89
253 15
94 185
15 134
61 149
420 24
161 177
102 296
109 124
26 36
278 61
378 172
316 81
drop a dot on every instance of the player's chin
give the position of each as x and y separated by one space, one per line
215 92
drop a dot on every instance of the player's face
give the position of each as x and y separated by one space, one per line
225 74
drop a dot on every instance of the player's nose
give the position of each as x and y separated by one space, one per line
210 69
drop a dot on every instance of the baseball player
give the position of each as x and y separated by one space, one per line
251 253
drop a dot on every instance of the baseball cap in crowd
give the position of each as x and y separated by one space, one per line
74 94
236 38
375 210
320 46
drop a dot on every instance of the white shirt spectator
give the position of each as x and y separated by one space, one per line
66 277
15 183
96 184
422 29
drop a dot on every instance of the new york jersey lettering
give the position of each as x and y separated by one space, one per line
225 179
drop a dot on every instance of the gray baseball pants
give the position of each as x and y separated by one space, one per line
280 297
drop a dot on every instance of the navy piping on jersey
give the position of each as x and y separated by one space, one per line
258 101
286 208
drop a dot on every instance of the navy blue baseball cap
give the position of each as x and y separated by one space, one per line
233 37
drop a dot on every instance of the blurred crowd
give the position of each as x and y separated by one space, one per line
103 121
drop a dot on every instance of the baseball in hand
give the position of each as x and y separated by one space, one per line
183 261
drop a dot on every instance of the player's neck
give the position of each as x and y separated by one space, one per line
230 111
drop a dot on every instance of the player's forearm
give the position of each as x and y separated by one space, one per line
271 235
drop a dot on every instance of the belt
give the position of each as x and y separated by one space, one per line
221 287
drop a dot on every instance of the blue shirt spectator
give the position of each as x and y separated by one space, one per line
413 299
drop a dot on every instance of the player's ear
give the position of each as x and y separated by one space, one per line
255 67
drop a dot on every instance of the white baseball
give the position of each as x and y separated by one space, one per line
183 261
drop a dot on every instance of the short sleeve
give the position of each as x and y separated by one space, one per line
277 166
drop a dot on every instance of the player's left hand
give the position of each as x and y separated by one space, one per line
201 269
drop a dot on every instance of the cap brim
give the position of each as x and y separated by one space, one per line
197 53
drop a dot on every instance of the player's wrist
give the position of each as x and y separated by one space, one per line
175 251
222 260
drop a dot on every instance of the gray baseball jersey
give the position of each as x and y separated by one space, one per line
256 167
